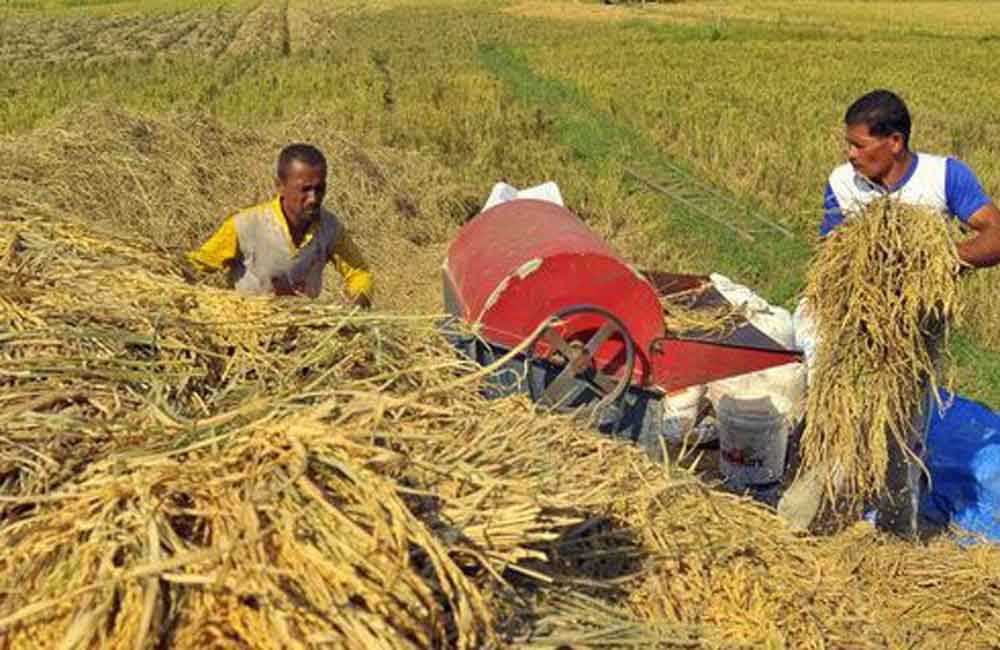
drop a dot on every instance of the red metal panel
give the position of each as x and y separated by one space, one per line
492 246
564 281
679 364
523 261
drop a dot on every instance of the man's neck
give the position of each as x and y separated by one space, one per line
899 171
296 230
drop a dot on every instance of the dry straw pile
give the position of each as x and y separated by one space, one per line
181 467
685 315
884 292
171 180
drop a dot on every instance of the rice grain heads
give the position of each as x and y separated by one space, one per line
883 290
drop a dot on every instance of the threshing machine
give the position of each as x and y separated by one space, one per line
528 274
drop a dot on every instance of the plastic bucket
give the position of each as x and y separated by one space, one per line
753 439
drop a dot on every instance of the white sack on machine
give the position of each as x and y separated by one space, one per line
502 192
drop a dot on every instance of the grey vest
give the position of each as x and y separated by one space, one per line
268 262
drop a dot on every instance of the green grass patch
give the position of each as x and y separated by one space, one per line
771 264
979 370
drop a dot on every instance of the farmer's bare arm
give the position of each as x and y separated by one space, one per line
983 249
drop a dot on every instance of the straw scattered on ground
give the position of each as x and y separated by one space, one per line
183 467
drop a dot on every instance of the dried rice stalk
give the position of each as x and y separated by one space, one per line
182 467
682 316
276 536
185 465
884 292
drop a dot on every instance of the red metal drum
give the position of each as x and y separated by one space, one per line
519 263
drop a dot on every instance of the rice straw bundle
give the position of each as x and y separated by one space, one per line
884 293
130 518
176 420
743 579
277 536
683 316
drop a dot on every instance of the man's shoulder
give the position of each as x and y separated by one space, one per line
932 162
328 215
329 226
842 174
931 158
263 209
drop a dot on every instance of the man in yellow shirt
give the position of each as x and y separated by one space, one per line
281 246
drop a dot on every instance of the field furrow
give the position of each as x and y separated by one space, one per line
176 30
133 37
231 29
260 32
209 34
41 39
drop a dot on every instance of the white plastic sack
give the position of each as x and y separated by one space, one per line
776 322
806 334
787 382
502 192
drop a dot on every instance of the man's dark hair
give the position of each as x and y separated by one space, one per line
883 112
304 153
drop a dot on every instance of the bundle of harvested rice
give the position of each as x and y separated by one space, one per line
732 575
272 536
884 294
684 315
125 523
185 465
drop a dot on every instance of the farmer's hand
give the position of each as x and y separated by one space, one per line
363 301
962 267
187 270
282 285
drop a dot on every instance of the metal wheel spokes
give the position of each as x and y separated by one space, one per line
577 371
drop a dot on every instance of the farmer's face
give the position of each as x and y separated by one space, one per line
302 191
872 156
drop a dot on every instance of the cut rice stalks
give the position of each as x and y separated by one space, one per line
181 467
883 291
685 315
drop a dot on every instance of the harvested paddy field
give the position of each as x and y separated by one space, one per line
183 467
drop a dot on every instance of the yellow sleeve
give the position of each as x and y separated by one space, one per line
349 262
220 249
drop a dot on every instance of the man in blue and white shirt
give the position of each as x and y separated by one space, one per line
881 163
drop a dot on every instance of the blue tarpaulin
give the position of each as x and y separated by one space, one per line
964 463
